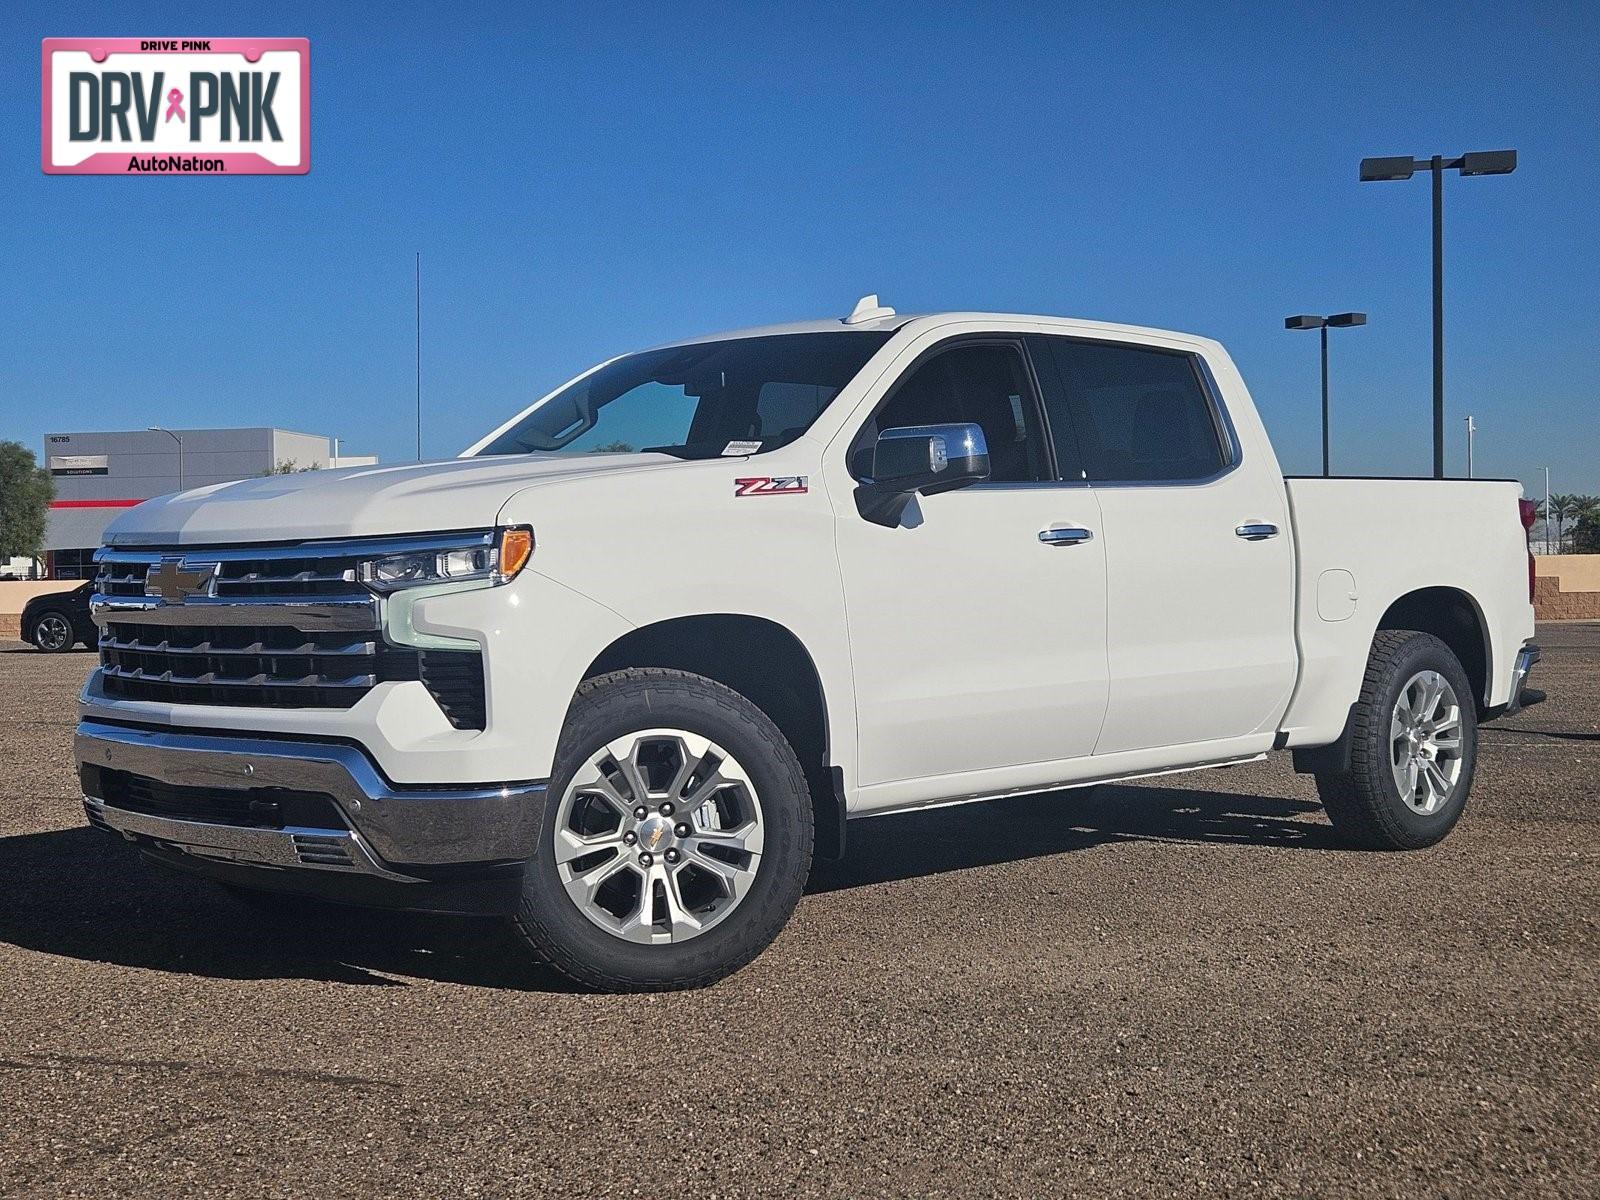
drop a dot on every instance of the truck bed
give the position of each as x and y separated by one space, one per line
1362 543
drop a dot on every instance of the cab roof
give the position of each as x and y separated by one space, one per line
898 321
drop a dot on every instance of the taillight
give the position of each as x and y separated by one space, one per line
1530 513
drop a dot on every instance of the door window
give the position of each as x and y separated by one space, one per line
985 383
1132 413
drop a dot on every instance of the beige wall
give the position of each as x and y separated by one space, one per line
14 594
1577 572
1567 587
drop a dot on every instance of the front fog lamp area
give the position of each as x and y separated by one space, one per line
496 562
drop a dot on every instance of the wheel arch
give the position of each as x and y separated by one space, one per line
1449 614
1452 616
766 663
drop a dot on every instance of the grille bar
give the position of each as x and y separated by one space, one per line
257 648
259 679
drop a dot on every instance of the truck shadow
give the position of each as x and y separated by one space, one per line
80 894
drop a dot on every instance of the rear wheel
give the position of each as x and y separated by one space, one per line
1413 747
676 839
52 632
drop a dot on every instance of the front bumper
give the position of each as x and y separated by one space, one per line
214 801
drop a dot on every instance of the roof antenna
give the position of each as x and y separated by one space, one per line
868 309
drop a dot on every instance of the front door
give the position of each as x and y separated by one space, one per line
977 644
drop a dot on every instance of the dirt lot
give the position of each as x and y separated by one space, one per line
1167 989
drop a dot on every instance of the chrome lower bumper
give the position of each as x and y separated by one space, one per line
388 832
318 849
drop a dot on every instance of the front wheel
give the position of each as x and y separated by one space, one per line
1413 747
676 839
52 633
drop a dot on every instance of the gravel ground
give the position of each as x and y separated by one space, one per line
1174 988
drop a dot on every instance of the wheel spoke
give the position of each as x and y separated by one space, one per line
594 782
679 918
1438 785
626 755
734 879
1403 714
570 845
1432 692
694 753
746 837
583 886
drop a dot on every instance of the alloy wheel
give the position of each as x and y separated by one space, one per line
1425 742
658 837
52 632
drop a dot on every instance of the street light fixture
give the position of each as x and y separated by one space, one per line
179 440
1485 162
1336 321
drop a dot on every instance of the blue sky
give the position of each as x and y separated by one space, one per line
587 179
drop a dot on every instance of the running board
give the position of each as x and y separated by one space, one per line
924 806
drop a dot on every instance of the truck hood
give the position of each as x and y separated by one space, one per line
458 493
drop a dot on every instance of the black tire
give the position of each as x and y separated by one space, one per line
45 625
1364 803
624 702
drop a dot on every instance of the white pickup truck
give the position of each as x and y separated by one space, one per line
619 670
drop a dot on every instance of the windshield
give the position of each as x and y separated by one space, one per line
739 396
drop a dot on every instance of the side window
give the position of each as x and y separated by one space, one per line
984 383
1139 413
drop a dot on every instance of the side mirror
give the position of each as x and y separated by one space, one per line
924 459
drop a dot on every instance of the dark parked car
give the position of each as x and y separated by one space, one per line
57 621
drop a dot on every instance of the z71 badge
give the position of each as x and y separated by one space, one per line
771 485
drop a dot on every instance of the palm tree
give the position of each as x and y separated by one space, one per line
1561 512
1584 512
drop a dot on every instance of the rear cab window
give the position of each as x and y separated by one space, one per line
1127 413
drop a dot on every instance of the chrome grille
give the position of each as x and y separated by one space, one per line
121 579
269 666
262 627
306 577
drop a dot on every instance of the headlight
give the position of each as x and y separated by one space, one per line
494 557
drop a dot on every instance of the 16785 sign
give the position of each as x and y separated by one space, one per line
176 106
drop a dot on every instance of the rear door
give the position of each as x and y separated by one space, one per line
1199 553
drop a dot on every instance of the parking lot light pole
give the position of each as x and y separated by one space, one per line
1323 324
1547 510
179 440
1486 162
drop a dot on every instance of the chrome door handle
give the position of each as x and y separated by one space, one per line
1058 535
1256 531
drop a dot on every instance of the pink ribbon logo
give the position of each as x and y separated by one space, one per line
175 106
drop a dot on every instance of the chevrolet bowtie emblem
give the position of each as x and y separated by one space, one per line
174 583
